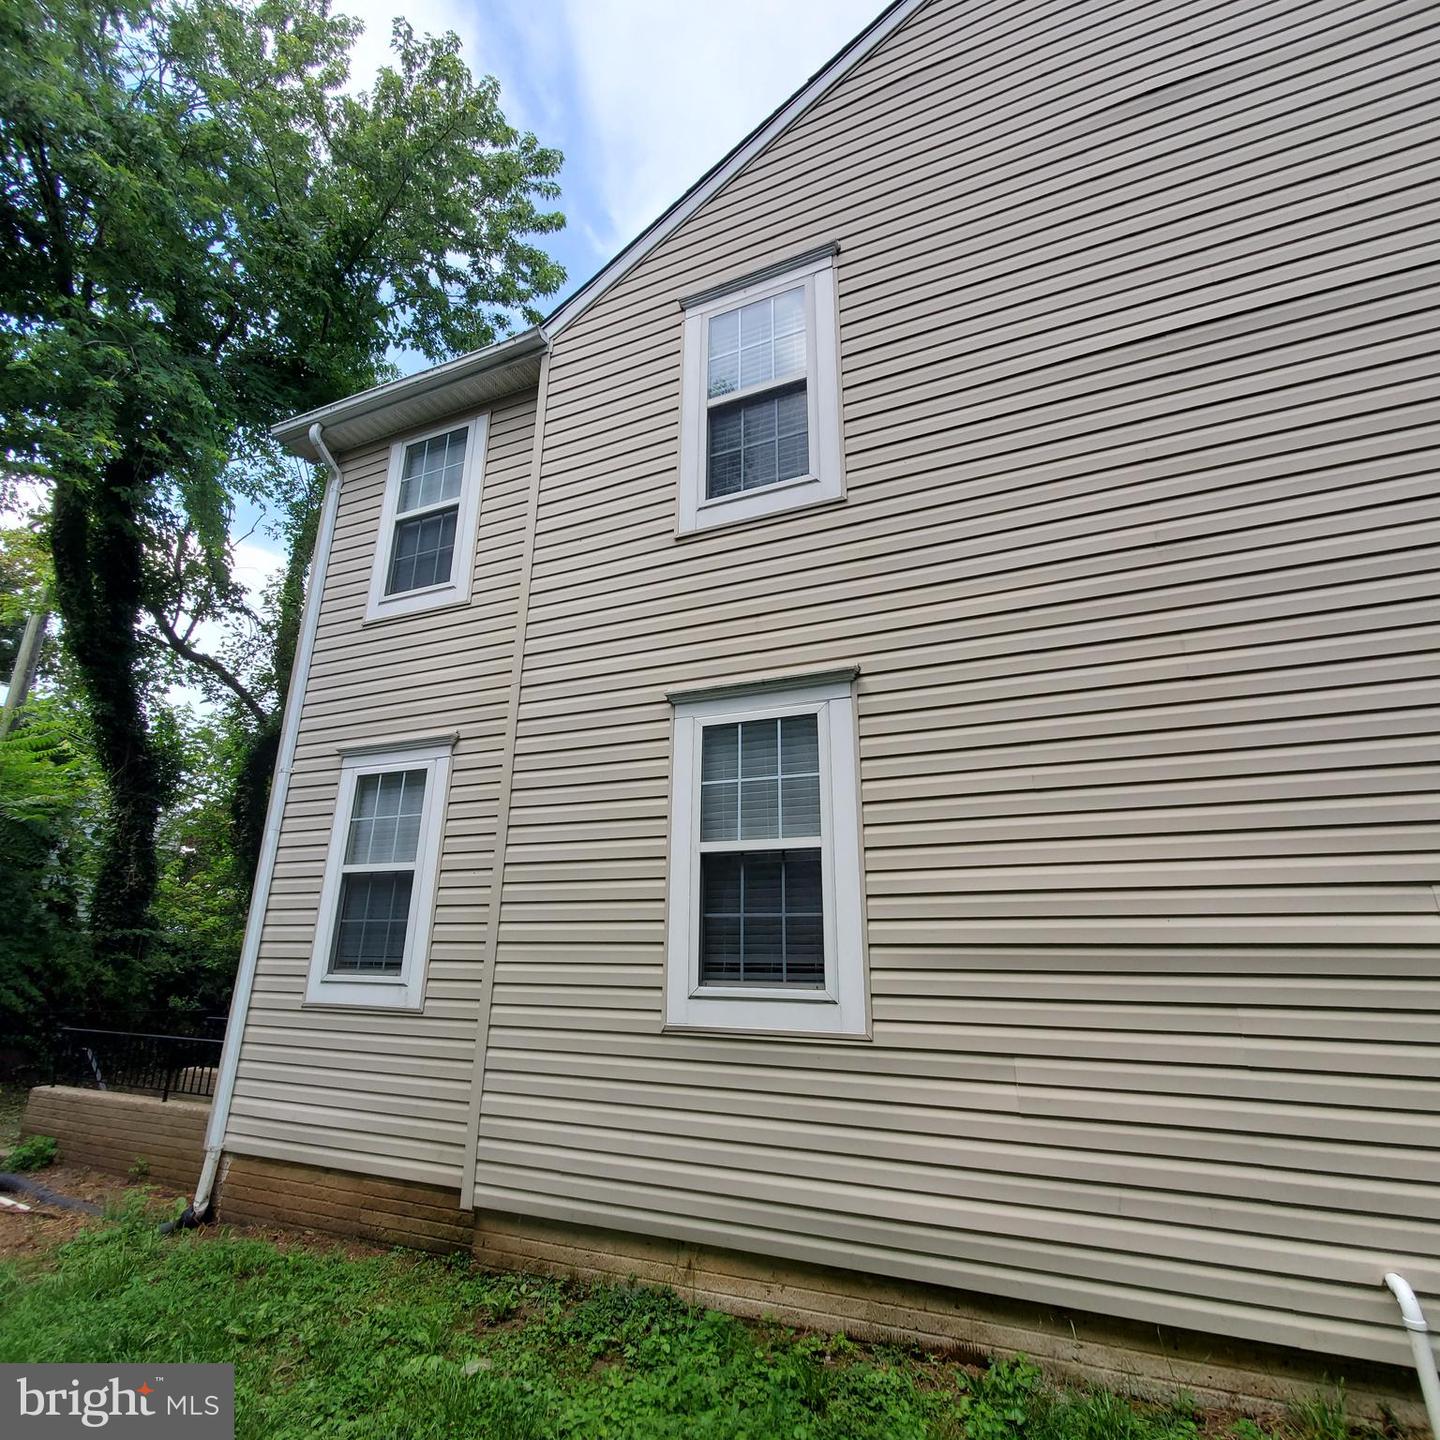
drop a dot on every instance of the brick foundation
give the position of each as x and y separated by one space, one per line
114 1132
387 1212
1136 1359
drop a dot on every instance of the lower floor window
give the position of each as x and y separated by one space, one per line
765 912
378 882
373 926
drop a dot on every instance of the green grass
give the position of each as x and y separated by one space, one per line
414 1348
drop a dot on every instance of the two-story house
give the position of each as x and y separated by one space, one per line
880 765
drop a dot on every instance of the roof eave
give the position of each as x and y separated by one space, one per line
473 379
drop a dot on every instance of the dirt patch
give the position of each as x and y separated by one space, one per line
32 1234
297 1237
27 1235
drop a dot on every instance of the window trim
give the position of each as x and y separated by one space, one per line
826 479
456 590
405 991
841 1008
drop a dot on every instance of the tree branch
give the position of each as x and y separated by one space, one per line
226 677
62 255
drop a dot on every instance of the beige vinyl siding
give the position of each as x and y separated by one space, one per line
1138 561
387 1094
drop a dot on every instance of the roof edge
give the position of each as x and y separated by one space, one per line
869 39
293 432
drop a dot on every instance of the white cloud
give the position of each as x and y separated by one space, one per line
253 565
476 25
668 89
431 17
643 95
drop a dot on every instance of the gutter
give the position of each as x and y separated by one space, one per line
201 1207
410 387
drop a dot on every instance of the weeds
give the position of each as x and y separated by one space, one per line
400 1347
1321 1417
1247 1429
35 1152
1000 1403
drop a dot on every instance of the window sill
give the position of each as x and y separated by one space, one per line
378 992
384 617
729 522
720 503
813 1014
771 996
750 1032
364 1007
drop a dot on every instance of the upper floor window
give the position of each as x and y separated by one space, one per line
426 547
760 404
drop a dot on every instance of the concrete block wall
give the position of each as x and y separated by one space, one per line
111 1131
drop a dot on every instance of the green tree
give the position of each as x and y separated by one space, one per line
201 231
50 824
245 672
47 824
203 883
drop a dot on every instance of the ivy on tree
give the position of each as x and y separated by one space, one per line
201 232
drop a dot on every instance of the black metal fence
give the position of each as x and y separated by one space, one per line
183 1065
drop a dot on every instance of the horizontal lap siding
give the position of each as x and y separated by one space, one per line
1138 561
378 1094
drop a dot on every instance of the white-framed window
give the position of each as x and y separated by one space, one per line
760 399
766 910
377 901
425 552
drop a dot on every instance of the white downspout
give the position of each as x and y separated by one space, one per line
1413 1318
270 839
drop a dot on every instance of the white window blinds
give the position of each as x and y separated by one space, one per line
758 429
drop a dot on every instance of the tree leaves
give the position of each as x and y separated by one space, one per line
200 233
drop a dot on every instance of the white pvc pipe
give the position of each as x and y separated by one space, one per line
1413 1318
270 838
